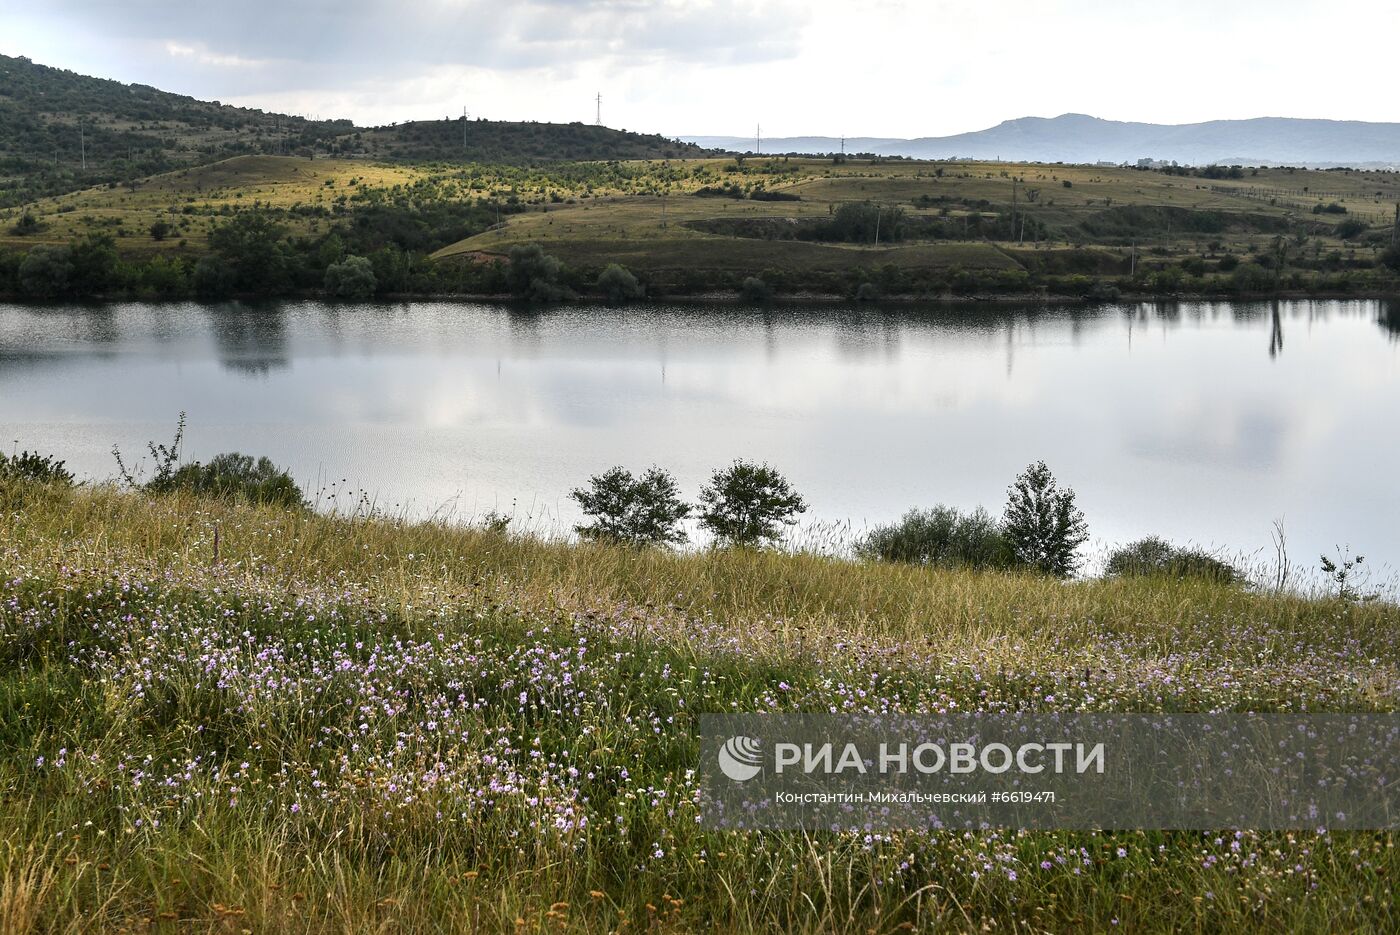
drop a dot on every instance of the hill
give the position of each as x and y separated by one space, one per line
1077 138
509 143
61 131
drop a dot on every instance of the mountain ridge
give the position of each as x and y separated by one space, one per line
1081 138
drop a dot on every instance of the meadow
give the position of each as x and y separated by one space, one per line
227 718
689 225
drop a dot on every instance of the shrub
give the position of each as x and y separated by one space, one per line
351 278
1155 556
30 465
160 230
534 275
618 284
747 504
638 511
46 272
753 289
867 292
234 476
26 225
1042 525
1350 228
941 536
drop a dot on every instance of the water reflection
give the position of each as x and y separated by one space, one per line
1165 416
1389 317
251 339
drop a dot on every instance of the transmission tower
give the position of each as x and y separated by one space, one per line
598 109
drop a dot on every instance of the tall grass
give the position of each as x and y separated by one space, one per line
340 723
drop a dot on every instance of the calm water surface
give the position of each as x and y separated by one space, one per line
1197 421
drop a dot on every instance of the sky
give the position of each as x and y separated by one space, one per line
889 68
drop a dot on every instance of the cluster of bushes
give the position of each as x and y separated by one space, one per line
1040 529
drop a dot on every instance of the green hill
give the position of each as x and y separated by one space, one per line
52 121
510 143
61 131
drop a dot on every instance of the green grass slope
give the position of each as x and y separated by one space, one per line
222 718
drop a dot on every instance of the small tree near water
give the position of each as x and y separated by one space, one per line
1043 526
619 285
747 504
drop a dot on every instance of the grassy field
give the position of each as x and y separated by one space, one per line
648 214
220 718
658 229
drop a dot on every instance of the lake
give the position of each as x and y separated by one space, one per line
1198 421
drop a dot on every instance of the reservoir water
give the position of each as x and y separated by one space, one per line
1201 422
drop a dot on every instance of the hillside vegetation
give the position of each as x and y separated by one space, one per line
221 717
61 131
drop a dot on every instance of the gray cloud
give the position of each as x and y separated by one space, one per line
393 39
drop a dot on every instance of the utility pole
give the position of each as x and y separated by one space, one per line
758 139
598 109
1013 207
82 144
464 128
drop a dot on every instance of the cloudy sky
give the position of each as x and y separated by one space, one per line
861 67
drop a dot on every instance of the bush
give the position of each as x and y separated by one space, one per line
351 278
26 225
1155 556
30 465
534 275
867 292
46 272
753 289
160 230
1042 525
747 504
618 284
941 537
234 476
1350 228
638 511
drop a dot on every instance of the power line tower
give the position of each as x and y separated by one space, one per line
758 139
598 109
464 128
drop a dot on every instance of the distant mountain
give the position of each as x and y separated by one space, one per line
1083 139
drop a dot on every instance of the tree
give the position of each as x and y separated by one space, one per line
160 230
534 275
250 243
94 264
638 511
1042 524
46 272
351 278
26 225
746 504
618 284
